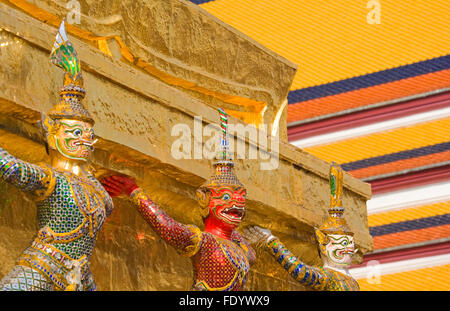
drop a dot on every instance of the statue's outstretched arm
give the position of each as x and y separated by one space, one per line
185 238
26 176
301 272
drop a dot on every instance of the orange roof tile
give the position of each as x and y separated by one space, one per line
411 213
367 96
401 165
410 237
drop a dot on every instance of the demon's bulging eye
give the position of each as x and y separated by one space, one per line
92 136
344 243
77 132
226 197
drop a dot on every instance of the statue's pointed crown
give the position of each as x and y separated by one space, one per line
335 223
72 93
224 165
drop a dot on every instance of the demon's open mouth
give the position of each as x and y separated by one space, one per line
233 213
349 252
89 144
342 252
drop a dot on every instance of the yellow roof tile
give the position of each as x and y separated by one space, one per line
409 214
332 40
427 279
378 144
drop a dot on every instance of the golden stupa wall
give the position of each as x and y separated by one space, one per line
137 90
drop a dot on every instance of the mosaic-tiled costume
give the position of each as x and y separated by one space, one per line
220 255
336 247
318 278
72 205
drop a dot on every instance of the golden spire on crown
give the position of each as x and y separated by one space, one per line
335 223
72 93
224 166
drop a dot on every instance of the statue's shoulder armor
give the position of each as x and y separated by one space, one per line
49 183
196 239
109 205
340 282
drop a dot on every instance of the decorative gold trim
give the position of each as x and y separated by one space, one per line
24 262
223 288
90 188
56 250
52 237
65 263
196 239
49 179
139 194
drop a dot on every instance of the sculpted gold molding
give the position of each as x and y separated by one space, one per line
251 111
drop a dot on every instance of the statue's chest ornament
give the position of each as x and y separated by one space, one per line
90 200
237 257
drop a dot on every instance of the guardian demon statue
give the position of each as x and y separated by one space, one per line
72 204
221 257
336 246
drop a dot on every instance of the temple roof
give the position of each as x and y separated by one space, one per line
343 61
375 98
